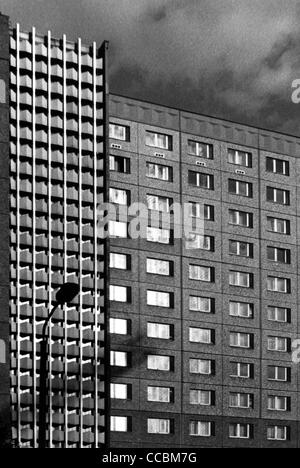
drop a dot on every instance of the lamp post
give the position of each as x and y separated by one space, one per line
64 295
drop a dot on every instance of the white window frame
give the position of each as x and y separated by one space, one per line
239 215
158 236
199 267
237 275
239 336
199 394
153 391
118 388
199 425
202 150
158 359
238 249
277 370
113 131
194 330
276 251
238 191
118 293
199 362
157 140
239 397
118 358
159 331
276 222
276 280
277 340
115 324
156 266
235 157
159 203
276 399
198 299
276 197
277 311
161 422
115 261
157 168
239 426
277 430
119 423
158 299
117 229
239 373
239 308
275 162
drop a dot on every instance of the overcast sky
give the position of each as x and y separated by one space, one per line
230 58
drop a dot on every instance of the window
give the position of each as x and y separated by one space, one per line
119 293
201 397
278 255
202 150
160 172
195 211
159 363
119 164
159 140
278 403
160 394
2 91
200 429
241 279
119 391
198 179
241 340
241 400
199 241
277 433
161 236
118 326
201 366
119 132
201 273
237 187
159 267
281 285
118 359
241 309
158 203
275 195
159 331
201 335
117 229
159 299
277 166
241 218
278 374
239 158
119 197
239 431
278 226
119 424
118 261
201 304
278 344
241 249
158 426
278 314
241 370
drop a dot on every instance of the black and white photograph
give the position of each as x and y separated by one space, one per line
149 221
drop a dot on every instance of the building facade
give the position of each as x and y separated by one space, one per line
203 329
54 121
197 351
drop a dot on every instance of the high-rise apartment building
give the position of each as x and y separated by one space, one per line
173 341
202 328
53 133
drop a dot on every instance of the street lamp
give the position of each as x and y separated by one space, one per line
66 293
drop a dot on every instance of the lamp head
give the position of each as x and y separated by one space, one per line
66 293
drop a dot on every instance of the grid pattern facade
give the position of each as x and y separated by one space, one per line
57 142
201 339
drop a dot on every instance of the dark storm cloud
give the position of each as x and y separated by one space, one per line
232 58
